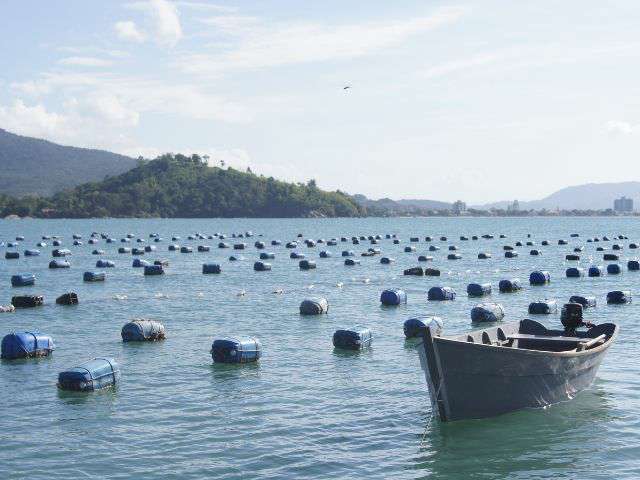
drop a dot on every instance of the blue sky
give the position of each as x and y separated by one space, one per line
483 100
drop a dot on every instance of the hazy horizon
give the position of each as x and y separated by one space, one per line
481 101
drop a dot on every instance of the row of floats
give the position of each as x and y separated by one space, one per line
104 372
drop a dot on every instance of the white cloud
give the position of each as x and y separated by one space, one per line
32 120
260 45
86 62
165 18
203 6
128 30
622 128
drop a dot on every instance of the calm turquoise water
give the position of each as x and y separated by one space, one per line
305 411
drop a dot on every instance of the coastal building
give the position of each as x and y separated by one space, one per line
459 207
514 207
623 205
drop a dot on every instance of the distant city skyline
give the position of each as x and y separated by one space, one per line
447 101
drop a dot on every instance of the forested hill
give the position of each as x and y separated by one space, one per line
180 186
31 166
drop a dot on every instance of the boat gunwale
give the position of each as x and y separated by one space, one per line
566 353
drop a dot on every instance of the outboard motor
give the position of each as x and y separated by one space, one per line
571 318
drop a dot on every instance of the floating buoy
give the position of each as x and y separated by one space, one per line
509 285
619 297
355 338
415 326
441 293
209 268
93 375
26 345
27 301
478 289
314 306
236 350
487 312
543 307
393 296
69 298
141 330
24 280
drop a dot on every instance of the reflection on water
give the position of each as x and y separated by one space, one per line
561 440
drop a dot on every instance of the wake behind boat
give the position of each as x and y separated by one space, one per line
509 367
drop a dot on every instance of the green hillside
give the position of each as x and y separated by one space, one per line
180 186
31 166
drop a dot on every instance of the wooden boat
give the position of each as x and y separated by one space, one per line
509 367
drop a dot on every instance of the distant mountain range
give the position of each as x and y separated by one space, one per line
31 166
400 206
590 196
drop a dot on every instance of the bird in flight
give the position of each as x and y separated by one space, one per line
346 87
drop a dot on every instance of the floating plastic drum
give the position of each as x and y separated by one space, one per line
431 272
487 312
314 306
595 271
296 255
307 265
441 293
355 338
585 301
409 249
416 271
208 268
633 265
484 256
575 272
543 307
236 350
27 301
393 297
141 330
510 254
32 253
454 256
610 257
613 269
261 266
350 262
69 298
186 250
11 255
572 257
94 276
125 250
539 277
619 297
25 280
325 254
415 326
138 263
105 264
93 375
26 345
509 285
478 289
151 270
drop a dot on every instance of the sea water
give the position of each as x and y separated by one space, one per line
305 410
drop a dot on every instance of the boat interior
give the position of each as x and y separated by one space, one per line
531 335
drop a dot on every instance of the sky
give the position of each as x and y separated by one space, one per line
480 100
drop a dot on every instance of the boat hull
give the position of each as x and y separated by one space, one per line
471 380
